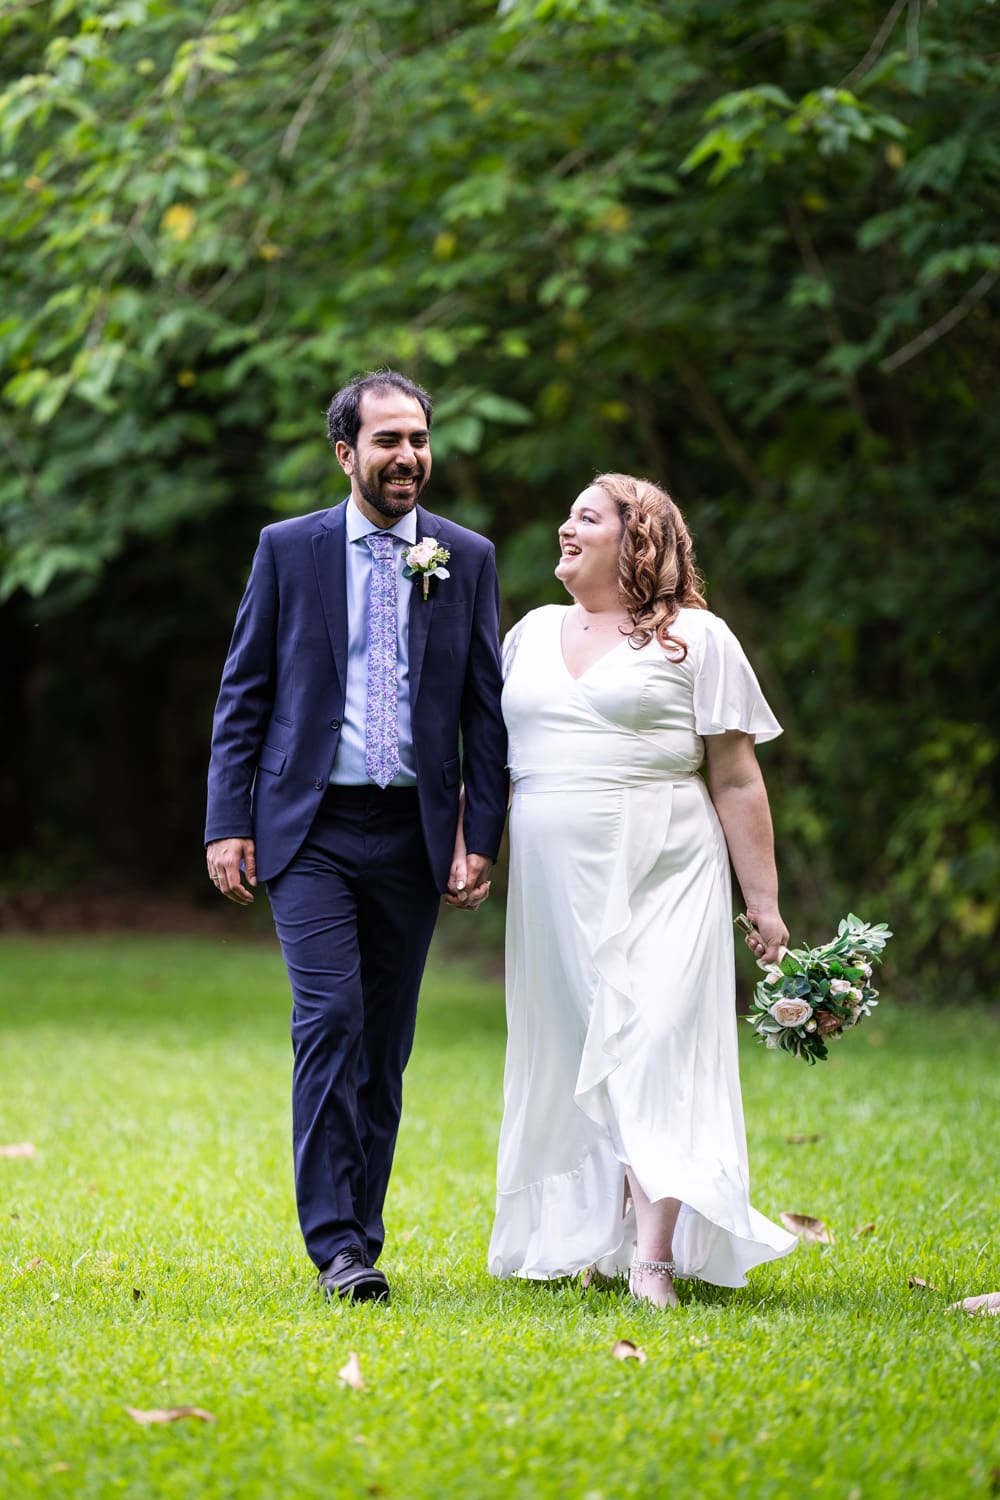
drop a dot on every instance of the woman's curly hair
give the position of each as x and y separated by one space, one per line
656 570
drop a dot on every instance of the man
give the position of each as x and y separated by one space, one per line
335 778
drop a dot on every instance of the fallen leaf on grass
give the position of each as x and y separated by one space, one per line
20 1148
137 1294
917 1283
813 1231
625 1349
60 1468
36 1263
803 1139
863 1229
350 1373
989 1302
160 1414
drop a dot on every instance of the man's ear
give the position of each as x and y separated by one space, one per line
345 457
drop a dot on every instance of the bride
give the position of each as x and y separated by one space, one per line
623 1143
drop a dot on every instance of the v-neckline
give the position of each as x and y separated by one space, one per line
597 660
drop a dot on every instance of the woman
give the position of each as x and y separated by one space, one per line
623 1142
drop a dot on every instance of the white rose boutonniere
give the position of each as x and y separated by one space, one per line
426 560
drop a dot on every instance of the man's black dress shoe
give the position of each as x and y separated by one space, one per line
347 1275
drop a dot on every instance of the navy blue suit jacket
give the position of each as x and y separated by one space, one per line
278 715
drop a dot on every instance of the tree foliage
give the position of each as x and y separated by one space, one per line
747 250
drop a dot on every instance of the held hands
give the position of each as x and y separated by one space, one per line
768 935
468 879
469 876
224 858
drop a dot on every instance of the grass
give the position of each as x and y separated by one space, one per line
149 1256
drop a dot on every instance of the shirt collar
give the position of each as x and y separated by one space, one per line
359 526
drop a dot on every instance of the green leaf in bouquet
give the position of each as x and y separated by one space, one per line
801 987
789 963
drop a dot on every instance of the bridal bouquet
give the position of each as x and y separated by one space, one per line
813 994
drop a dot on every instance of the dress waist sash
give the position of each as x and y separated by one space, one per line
592 778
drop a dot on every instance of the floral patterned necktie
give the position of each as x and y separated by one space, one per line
381 725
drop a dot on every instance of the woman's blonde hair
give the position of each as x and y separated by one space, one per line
656 570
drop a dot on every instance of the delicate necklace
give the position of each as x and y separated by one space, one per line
585 624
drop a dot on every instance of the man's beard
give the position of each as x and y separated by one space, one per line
386 506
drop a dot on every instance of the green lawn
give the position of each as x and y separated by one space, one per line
149 1257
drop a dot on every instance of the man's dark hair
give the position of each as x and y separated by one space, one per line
343 419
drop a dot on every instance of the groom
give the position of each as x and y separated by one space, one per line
335 778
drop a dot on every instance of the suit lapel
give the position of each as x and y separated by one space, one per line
330 558
421 609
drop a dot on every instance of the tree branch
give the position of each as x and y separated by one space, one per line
943 325
333 55
834 330
716 420
913 29
874 51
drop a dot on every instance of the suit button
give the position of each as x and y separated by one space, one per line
318 784
334 723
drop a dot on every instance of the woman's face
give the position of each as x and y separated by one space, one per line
589 544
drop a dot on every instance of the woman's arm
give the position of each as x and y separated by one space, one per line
738 795
469 877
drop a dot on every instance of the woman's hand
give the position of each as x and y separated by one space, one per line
468 881
770 935
476 883
469 876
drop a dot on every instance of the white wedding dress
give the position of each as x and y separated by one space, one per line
620 962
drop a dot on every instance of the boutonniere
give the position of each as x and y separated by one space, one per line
426 559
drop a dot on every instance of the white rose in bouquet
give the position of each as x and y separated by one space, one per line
791 1012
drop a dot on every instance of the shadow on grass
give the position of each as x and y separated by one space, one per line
523 1299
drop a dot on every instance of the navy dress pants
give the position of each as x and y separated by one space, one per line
354 914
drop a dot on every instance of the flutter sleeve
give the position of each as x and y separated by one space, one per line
727 694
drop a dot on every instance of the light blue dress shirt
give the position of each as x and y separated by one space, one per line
349 761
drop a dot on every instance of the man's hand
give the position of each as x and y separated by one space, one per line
224 858
468 881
